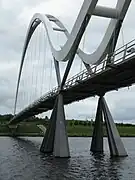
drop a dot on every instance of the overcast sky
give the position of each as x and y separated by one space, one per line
15 16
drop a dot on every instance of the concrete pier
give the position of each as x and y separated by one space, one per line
115 143
56 139
97 138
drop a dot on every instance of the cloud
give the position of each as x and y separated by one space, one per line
15 19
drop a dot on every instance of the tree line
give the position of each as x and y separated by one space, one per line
7 117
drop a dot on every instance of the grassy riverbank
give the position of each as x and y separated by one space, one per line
74 128
31 129
80 131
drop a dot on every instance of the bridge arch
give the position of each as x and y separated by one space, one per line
58 53
65 53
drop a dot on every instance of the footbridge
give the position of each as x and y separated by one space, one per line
105 70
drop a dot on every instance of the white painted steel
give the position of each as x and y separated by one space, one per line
106 12
65 53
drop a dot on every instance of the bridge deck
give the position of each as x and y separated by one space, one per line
111 78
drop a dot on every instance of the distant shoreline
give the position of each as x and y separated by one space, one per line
75 128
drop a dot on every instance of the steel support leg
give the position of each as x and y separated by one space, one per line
115 144
97 138
56 139
48 141
61 146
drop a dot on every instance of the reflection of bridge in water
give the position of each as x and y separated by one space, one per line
106 70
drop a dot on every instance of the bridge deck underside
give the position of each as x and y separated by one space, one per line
114 77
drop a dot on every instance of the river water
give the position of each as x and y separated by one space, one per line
20 159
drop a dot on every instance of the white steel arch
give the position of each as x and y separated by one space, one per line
65 53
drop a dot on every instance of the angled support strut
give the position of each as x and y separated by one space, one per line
56 139
115 143
97 138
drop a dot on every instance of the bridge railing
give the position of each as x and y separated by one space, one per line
118 56
124 52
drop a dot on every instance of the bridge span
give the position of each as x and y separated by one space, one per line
103 78
106 70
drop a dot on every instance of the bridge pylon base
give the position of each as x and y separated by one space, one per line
48 140
97 138
115 143
56 139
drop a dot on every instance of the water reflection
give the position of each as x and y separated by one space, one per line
23 161
107 167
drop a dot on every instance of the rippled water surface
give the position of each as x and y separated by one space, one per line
20 159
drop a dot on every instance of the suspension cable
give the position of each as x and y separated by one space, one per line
44 61
50 83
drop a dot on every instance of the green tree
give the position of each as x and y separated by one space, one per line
85 123
89 123
76 123
80 122
71 123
